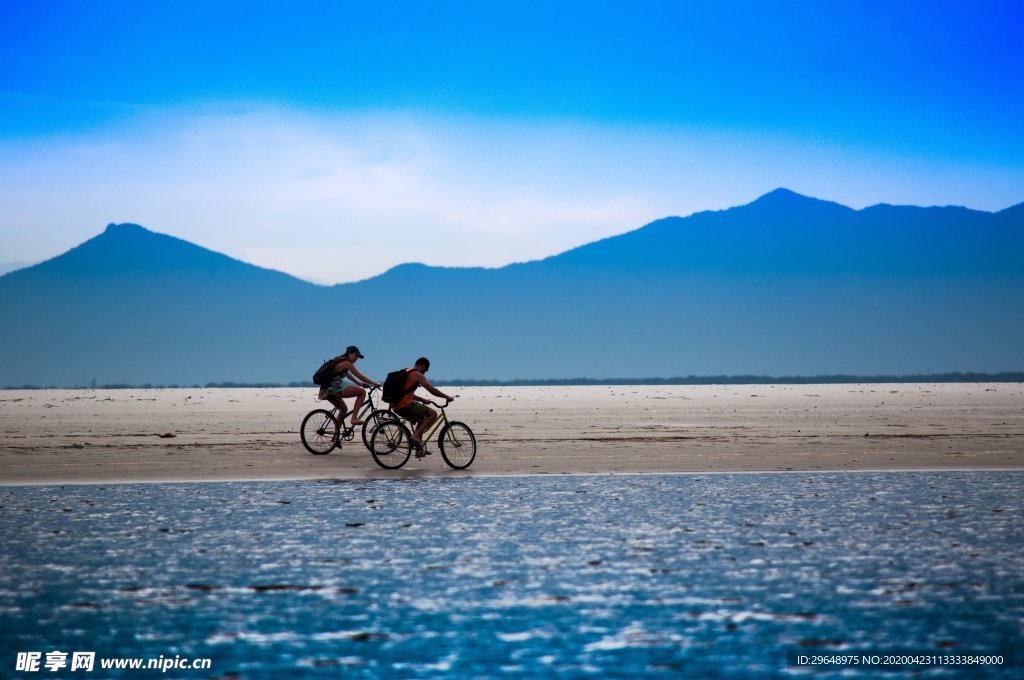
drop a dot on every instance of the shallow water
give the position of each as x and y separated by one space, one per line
707 575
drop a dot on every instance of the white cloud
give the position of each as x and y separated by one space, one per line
334 197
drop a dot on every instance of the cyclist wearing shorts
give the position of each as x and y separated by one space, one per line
341 386
415 409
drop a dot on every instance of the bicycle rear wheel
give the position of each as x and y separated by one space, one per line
319 432
457 444
372 421
391 444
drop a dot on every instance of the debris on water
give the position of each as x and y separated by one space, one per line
277 587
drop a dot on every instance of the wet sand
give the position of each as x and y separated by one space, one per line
85 436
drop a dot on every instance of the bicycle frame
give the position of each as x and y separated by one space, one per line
392 442
340 419
314 438
430 431
368 406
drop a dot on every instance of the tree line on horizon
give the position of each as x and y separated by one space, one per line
954 377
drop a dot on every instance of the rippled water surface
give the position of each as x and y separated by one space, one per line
707 575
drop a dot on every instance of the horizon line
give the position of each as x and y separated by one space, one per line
738 379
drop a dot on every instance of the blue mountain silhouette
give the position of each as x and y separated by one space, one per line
785 285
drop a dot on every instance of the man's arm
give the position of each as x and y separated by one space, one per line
422 380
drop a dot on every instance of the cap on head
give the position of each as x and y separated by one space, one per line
353 348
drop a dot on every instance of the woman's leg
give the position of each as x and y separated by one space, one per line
338 404
360 394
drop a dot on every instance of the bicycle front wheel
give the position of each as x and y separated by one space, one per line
372 421
390 444
457 444
319 432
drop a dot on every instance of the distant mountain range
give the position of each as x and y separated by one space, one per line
785 285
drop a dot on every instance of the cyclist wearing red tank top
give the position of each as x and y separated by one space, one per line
415 409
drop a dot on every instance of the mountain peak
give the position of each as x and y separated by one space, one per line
125 228
783 198
783 194
129 251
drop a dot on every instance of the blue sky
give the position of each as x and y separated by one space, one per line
334 140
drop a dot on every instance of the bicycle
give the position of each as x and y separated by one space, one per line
322 431
391 442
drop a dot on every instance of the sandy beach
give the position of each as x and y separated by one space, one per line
85 436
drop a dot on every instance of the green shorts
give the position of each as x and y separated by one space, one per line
414 412
338 385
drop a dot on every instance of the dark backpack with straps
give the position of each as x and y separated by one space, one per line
394 386
324 374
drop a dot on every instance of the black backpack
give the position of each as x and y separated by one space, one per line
324 374
394 386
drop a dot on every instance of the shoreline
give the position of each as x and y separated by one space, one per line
454 474
953 377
